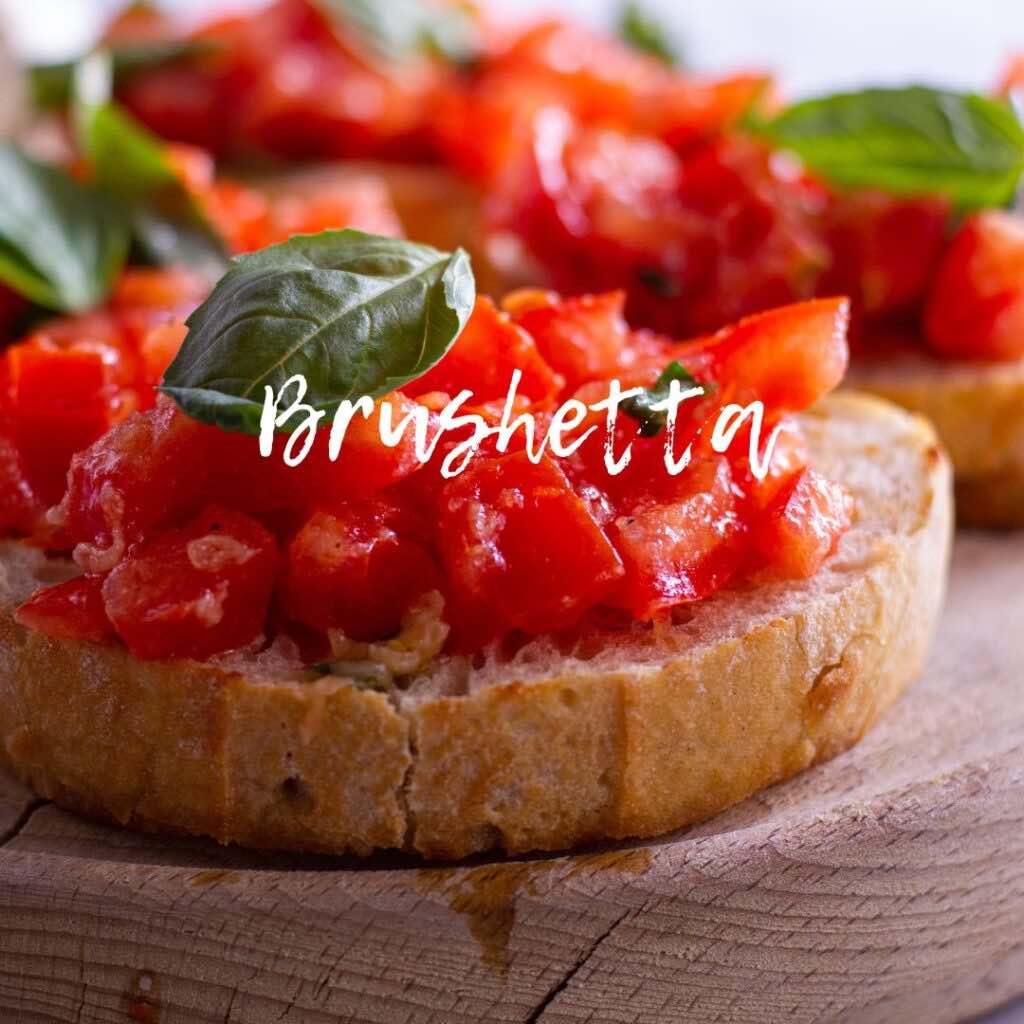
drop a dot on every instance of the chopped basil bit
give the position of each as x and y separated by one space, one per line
653 421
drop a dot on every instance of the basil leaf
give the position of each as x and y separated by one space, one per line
396 30
653 421
61 243
644 33
131 164
912 140
354 314
51 84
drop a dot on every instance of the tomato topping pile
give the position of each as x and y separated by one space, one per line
297 84
193 544
71 379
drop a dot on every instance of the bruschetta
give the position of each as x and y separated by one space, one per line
490 644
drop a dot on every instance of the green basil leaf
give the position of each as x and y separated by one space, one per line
911 140
131 164
396 30
653 421
51 84
354 314
61 243
646 34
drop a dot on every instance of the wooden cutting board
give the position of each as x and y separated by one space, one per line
885 886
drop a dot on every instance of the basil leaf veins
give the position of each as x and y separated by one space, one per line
908 140
354 314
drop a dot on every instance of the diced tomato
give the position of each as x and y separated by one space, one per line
521 548
364 465
179 101
240 214
803 525
787 358
194 167
166 290
584 338
976 306
885 250
60 402
69 611
145 472
21 509
603 81
158 348
697 243
483 357
352 569
195 591
789 457
681 550
325 204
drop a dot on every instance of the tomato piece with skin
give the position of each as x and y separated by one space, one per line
157 350
885 250
147 471
21 508
351 568
365 465
787 358
520 548
584 338
195 591
682 550
976 306
69 611
803 525
322 204
60 401
789 457
483 358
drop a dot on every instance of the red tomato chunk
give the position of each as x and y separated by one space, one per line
194 591
70 611
353 569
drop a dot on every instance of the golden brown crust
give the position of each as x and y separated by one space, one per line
192 747
978 412
543 752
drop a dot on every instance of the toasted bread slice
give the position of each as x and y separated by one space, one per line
978 412
564 742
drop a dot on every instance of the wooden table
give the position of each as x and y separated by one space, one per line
885 886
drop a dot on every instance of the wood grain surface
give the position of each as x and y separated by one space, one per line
885 886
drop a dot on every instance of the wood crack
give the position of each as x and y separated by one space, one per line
556 990
21 821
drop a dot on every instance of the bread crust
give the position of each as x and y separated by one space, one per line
619 736
978 412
